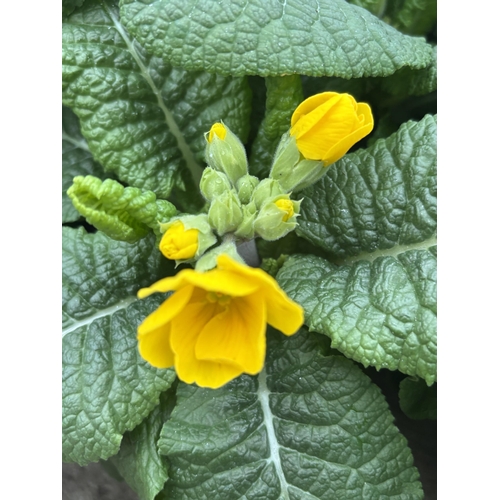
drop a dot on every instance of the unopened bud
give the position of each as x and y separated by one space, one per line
225 213
277 218
246 228
245 187
266 189
213 183
186 238
225 152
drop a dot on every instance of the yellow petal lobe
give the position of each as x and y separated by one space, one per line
178 243
219 130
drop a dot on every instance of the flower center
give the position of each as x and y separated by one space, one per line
219 298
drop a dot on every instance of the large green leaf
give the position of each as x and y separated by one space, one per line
308 427
76 160
142 119
381 313
272 38
107 388
68 6
123 213
283 95
139 460
375 199
101 274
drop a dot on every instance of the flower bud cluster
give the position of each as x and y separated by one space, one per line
240 206
240 203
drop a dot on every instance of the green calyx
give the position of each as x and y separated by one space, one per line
225 213
277 218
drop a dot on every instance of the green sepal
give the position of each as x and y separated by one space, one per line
209 260
265 191
225 213
270 224
246 186
213 183
226 155
123 213
246 229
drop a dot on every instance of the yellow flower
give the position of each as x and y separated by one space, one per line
327 125
179 244
217 129
212 328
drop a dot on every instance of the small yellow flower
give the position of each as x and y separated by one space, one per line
179 244
213 327
327 125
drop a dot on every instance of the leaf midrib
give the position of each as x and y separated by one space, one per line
388 252
183 146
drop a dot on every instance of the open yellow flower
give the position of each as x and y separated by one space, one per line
327 125
213 327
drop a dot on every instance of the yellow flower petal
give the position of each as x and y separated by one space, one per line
311 103
185 331
216 280
178 243
282 312
237 335
219 130
153 333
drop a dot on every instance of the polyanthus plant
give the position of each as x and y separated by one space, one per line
232 241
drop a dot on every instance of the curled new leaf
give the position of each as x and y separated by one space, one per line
123 213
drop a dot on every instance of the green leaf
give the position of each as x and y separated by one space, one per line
76 160
143 119
68 6
272 38
308 427
380 313
283 95
407 82
138 460
417 400
107 387
101 274
379 198
125 214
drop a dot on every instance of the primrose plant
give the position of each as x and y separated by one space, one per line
195 130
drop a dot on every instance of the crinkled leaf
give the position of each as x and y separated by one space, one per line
76 160
414 17
68 6
107 387
283 95
142 119
139 460
406 82
380 313
101 274
377 198
272 38
417 400
125 214
308 427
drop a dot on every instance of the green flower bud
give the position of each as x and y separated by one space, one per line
277 218
266 189
225 213
245 187
291 169
213 183
246 228
225 152
186 237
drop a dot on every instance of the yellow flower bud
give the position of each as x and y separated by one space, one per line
287 207
178 243
327 125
